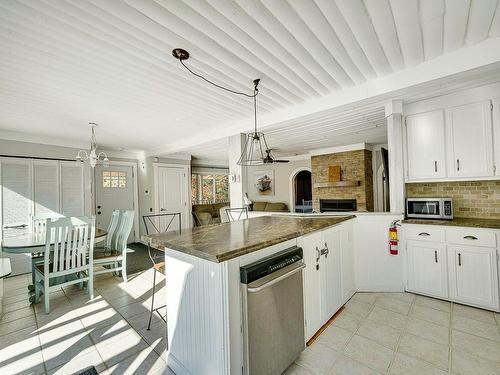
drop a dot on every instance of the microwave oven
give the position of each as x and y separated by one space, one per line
429 208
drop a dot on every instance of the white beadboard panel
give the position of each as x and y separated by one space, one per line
375 268
72 189
197 310
73 61
46 186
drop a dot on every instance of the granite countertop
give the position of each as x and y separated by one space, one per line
221 242
458 222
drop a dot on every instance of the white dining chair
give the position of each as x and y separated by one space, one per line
38 223
224 218
68 258
114 253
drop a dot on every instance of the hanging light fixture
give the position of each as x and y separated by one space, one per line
256 150
92 156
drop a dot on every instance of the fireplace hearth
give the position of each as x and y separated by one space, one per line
337 205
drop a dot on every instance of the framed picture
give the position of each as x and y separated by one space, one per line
264 182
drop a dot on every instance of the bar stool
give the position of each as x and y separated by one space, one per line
235 214
158 223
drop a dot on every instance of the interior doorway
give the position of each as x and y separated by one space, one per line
302 191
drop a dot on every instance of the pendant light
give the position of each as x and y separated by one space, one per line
256 150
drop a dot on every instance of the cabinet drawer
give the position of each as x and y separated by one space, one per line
424 233
471 237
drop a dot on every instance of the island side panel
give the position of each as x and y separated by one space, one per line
197 311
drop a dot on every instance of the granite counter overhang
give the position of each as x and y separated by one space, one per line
222 242
458 222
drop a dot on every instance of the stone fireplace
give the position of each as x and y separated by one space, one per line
357 176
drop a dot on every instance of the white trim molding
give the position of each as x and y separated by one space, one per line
333 150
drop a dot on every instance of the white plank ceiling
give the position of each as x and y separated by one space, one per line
65 63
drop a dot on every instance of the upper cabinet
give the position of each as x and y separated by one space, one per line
424 137
470 145
452 143
496 134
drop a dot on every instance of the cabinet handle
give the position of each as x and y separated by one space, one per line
458 165
425 234
318 254
435 256
470 238
459 259
435 166
325 251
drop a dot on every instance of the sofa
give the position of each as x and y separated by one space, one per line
204 214
269 206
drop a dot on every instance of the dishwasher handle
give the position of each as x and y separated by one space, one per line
276 279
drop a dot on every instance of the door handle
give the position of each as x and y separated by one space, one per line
20 226
435 166
458 165
163 209
470 238
435 256
98 212
459 259
325 250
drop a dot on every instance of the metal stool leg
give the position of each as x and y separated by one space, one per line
152 300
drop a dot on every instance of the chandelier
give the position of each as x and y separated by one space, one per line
256 150
92 156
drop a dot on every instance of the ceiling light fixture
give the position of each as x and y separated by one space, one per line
93 156
256 151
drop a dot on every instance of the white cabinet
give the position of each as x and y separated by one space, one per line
347 263
496 135
470 145
331 273
324 274
425 139
312 283
473 275
427 268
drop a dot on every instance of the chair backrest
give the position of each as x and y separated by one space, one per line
235 214
39 221
113 225
162 222
224 218
72 242
307 203
126 222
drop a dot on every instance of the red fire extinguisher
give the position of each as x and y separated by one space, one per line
393 238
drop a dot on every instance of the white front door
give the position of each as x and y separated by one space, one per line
172 194
114 187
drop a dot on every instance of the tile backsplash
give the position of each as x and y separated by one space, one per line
478 199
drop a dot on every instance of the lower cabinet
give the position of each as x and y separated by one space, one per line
473 275
327 266
451 270
427 268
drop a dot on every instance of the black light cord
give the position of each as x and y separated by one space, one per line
256 91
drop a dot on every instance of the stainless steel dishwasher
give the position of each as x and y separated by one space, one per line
273 308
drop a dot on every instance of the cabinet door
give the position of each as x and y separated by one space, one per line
496 134
473 275
427 268
470 144
347 263
425 140
330 271
312 283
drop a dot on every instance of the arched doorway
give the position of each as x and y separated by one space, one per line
301 189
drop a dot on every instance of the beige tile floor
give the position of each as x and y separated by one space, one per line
377 333
108 332
404 334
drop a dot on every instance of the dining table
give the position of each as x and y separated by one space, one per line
34 243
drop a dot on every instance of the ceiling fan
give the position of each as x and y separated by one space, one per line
269 159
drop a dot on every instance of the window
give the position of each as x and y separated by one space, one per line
209 188
114 179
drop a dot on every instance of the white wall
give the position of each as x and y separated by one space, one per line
282 173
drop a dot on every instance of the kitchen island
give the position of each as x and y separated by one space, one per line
205 302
